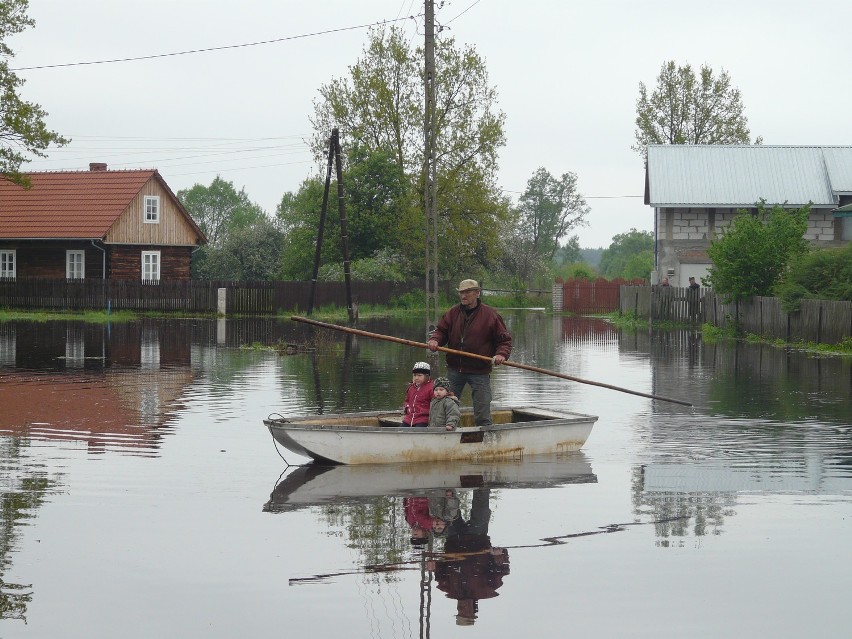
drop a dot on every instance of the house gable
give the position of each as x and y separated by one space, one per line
173 228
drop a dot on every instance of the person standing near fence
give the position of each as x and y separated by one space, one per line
473 327
692 299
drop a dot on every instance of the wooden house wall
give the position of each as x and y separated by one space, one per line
125 262
47 259
173 228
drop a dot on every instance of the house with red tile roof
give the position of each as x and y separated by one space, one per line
95 224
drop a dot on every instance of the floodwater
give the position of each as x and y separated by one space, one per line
142 496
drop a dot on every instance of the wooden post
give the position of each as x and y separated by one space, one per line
429 169
321 228
344 233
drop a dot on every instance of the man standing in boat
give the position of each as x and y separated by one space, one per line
477 328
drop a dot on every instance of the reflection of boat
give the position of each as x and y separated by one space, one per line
380 438
315 484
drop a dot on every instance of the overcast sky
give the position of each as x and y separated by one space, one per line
567 74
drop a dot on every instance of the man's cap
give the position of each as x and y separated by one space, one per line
422 367
466 285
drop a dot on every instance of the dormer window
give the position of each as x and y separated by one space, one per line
152 209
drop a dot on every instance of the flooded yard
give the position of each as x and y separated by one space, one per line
142 495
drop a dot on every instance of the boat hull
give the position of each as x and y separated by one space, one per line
379 438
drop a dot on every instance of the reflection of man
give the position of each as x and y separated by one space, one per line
473 327
472 569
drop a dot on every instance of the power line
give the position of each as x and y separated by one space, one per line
587 197
221 48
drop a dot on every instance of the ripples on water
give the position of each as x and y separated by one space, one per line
142 479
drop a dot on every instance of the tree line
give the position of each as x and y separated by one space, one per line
377 107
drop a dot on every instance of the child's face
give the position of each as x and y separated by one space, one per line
419 378
440 392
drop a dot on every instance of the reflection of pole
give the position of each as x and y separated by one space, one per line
429 169
425 594
344 373
321 228
344 234
317 382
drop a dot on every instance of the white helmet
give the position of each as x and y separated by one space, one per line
422 367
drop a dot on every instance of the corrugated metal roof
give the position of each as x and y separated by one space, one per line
716 175
68 204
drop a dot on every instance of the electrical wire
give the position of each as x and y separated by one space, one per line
209 49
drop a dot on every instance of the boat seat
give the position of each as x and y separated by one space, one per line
533 414
393 421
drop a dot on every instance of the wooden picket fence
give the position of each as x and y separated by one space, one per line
192 296
819 321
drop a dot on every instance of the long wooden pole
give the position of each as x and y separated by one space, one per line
444 349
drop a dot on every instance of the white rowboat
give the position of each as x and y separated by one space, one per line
380 438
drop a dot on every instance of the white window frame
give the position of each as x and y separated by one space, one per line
8 263
72 272
151 209
151 265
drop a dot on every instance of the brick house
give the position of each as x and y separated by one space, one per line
696 190
95 224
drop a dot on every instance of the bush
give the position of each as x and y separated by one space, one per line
756 251
824 274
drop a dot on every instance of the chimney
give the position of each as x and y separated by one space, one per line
97 166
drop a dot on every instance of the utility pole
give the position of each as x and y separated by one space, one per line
430 171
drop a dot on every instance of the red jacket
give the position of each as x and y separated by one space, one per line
417 512
417 402
482 332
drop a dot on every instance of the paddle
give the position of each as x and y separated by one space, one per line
525 367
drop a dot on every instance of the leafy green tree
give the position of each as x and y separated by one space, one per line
755 252
383 266
685 109
379 108
628 249
592 256
569 253
298 215
549 209
381 216
381 205
577 270
825 274
522 264
22 128
639 266
249 253
218 208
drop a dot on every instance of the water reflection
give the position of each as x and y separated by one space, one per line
470 569
103 385
431 519
318 485
444 526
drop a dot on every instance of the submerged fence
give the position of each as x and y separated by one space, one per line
195 296
819 321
